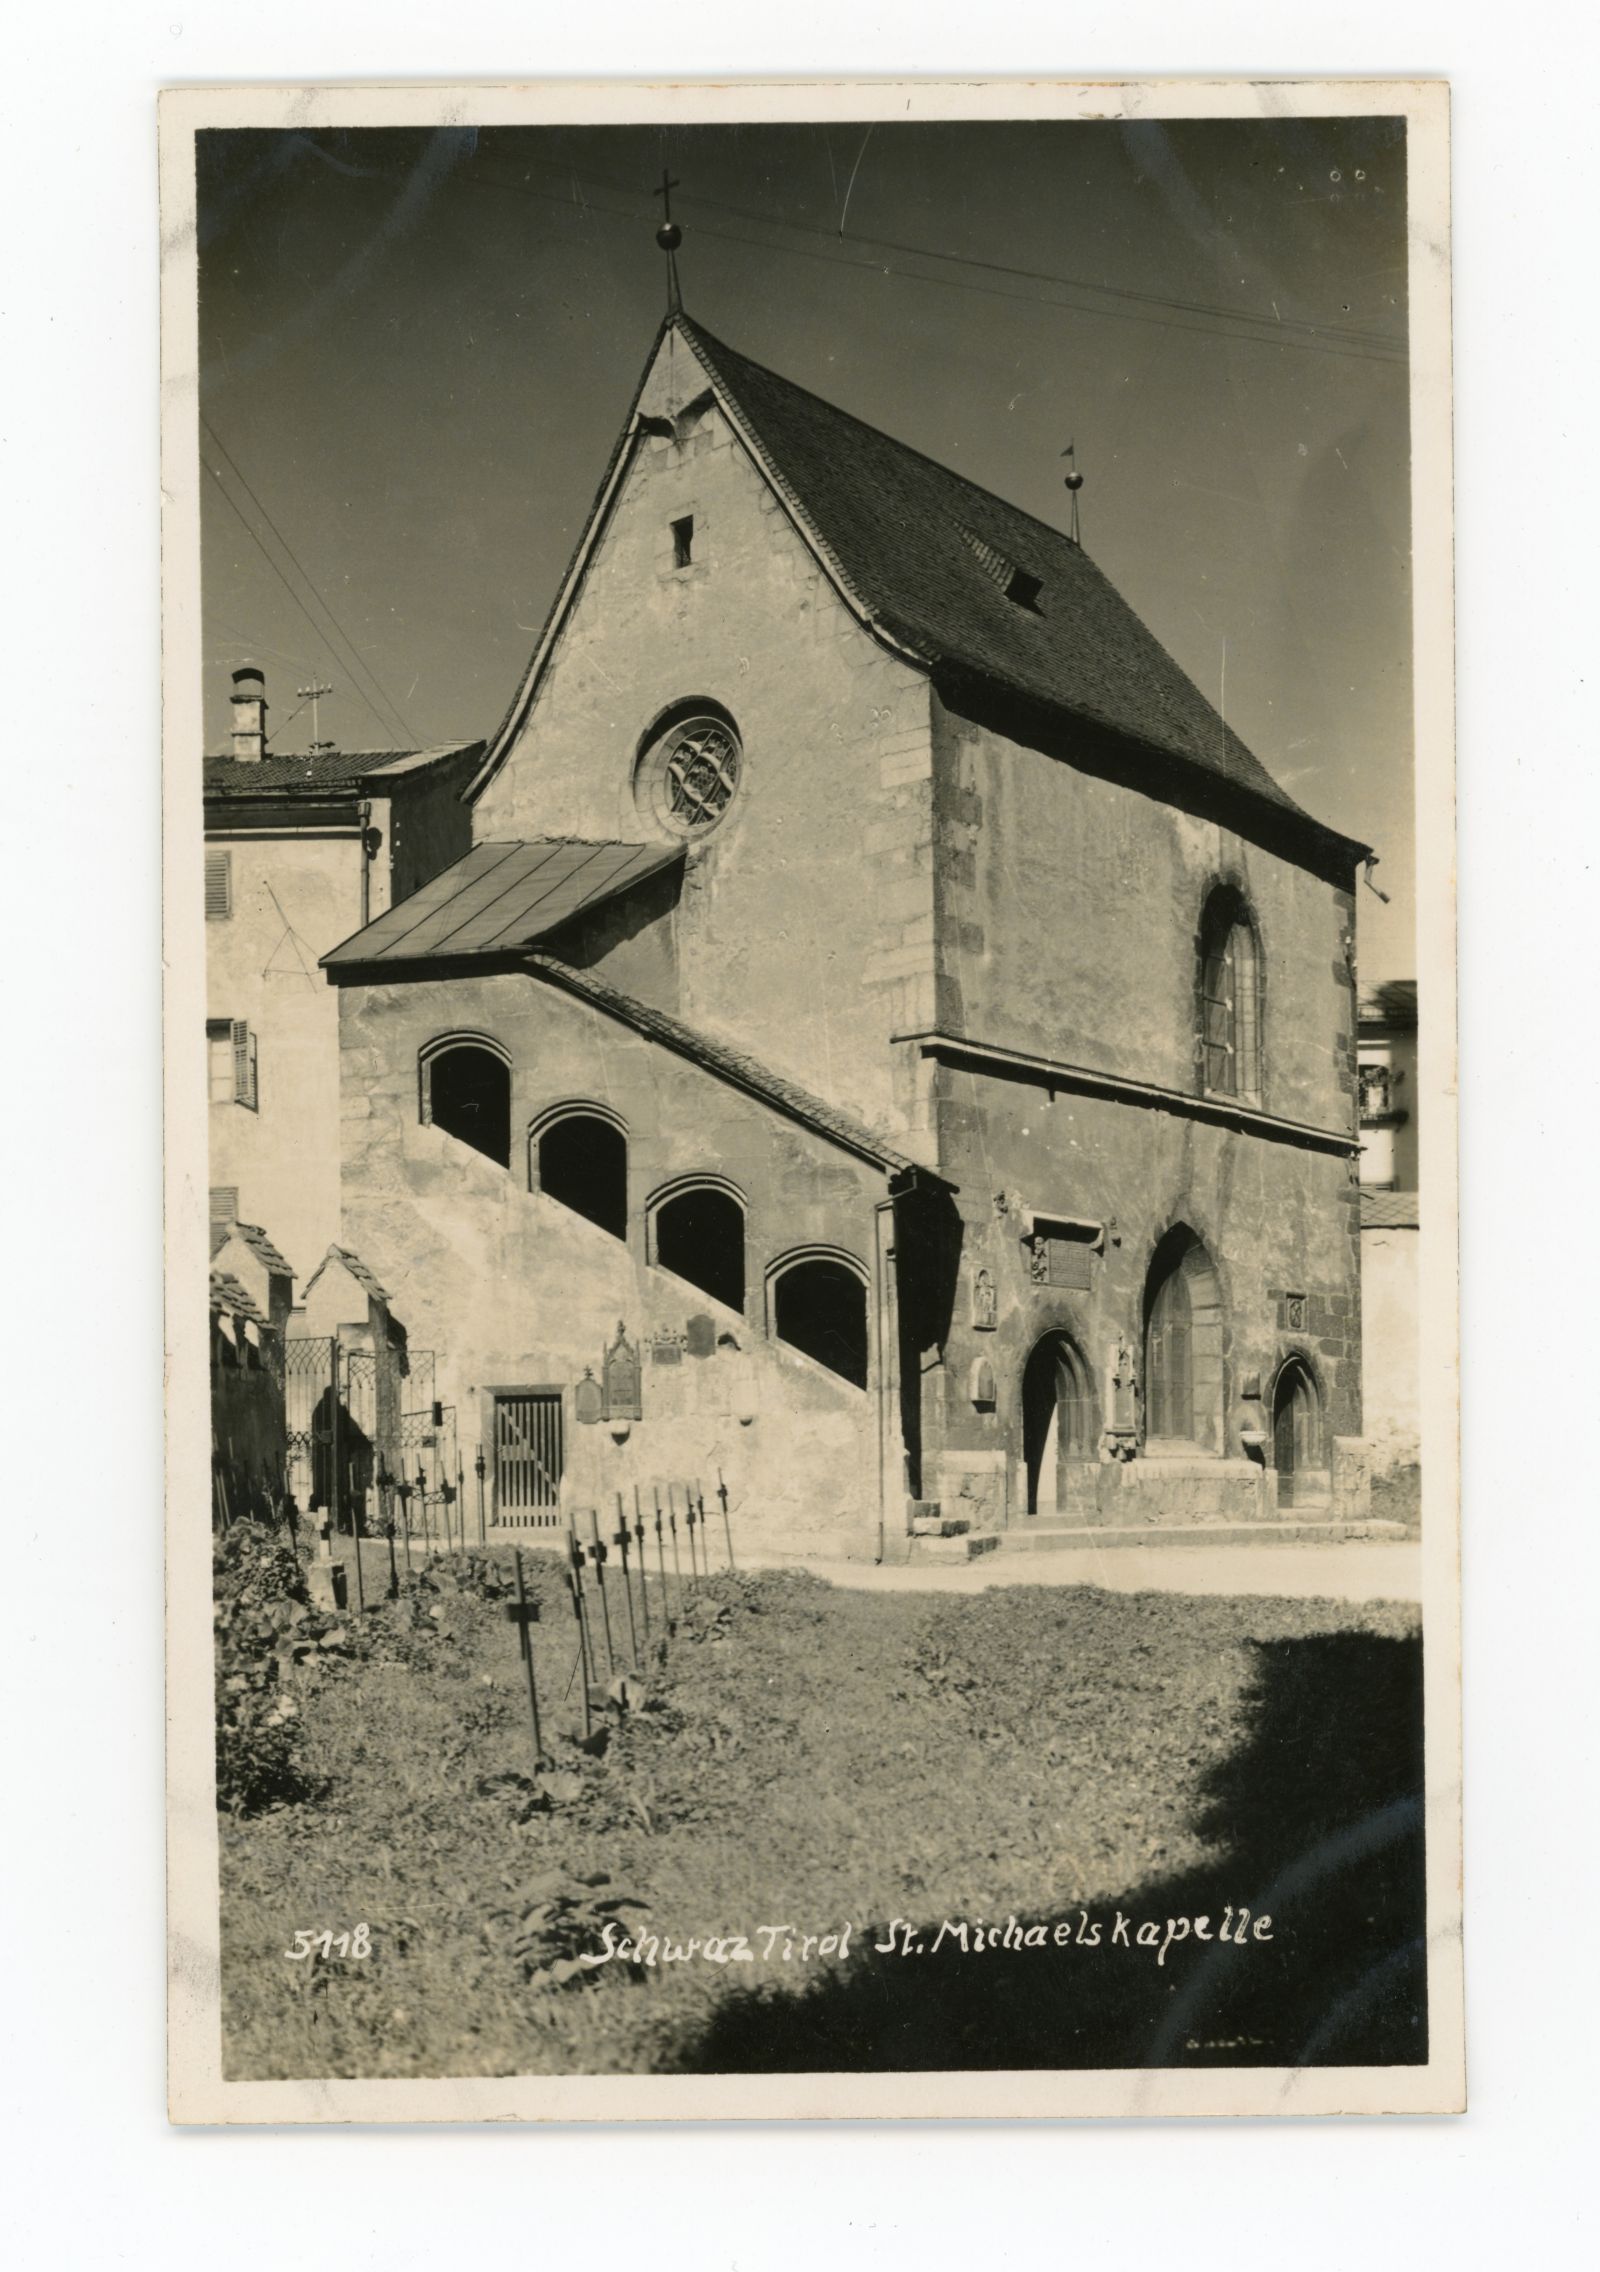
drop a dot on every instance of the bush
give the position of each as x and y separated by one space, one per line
259 1598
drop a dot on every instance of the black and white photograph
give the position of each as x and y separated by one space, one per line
810 985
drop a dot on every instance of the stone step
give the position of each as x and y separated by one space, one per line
962 1546
1042 1535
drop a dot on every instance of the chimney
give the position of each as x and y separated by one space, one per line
249 715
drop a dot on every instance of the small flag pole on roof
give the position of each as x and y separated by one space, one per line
1072 481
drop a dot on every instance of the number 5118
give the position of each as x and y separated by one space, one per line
326 1945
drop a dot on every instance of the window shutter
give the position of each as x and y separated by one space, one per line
244 1064
219 885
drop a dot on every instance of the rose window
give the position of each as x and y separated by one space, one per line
690 776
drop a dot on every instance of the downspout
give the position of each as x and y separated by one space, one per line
366 861
887 1369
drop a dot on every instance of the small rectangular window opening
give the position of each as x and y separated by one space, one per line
683 541
1024 589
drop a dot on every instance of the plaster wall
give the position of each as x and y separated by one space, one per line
428 826
1276 1220
1069 907
1390 1360
804 928
293 898
511 1289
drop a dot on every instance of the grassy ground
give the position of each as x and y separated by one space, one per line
811 1757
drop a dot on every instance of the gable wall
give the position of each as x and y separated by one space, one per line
804 931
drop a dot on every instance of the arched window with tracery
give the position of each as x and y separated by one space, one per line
466 1091
819 1306
697 1232
1183 1346
578 1155
1230 999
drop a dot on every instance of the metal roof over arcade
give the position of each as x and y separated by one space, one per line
502 897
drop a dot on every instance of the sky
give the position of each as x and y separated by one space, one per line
417 350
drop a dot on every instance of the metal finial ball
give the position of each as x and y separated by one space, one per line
1073 481
669 236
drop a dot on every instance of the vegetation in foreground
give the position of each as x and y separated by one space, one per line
809 1758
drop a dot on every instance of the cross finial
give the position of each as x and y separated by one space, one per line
669 236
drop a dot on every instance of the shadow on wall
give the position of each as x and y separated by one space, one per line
1317 1823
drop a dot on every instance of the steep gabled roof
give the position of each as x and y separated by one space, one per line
356 1267
968 586
256 1239
229 1299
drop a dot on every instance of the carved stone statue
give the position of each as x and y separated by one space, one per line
984 1302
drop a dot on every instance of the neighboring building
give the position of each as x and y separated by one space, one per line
247 1404
890 1042
1386 1068
1390 1230
299 850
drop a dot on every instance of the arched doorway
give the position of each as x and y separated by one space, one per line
1183 1347
1297 1437
1058 1429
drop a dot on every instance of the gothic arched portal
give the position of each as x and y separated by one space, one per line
1058 1428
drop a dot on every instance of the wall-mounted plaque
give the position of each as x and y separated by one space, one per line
666 1347
588 1404
700 1337
620 1374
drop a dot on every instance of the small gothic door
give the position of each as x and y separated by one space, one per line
1057 1427
1294 1432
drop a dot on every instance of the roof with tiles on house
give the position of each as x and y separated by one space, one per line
327 772
229 1299
1393 1003
734 1066
1389 1210
969 584
256 1239
501 897
356 1267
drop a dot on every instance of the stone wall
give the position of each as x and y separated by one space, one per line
1271 1215
1069 908
512 1289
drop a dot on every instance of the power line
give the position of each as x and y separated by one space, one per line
238 509
354 662
351 660
1324 339
1354 334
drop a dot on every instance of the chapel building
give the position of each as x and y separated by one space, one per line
890 1045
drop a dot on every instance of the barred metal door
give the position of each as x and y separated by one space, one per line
527 1459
